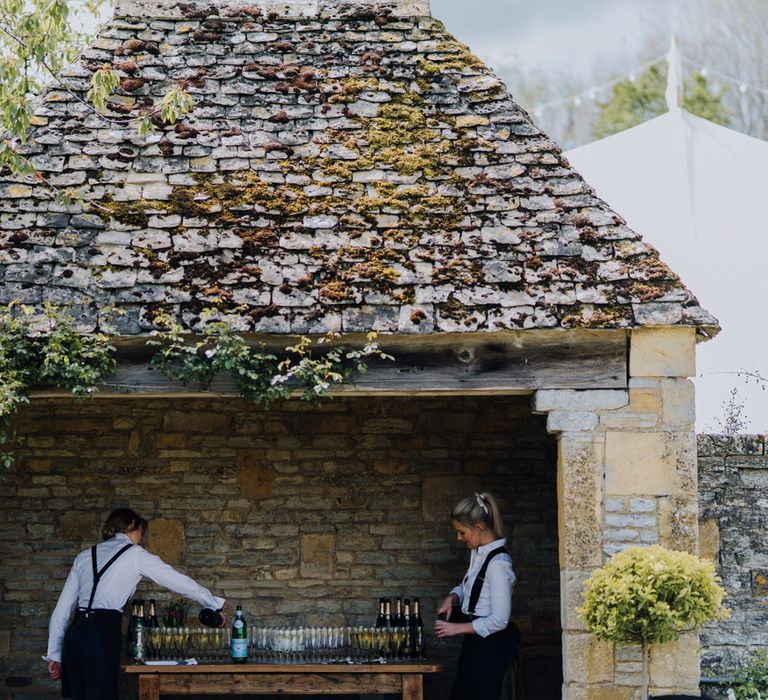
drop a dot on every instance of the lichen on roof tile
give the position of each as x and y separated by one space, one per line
347 172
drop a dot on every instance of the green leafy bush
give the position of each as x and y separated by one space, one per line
651 595
751 682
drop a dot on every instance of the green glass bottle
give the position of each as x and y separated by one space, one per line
418 639
139 641
239 638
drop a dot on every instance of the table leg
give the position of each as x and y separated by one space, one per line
149 687
413 686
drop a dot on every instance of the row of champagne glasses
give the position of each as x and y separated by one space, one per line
329 644
177 643
282 644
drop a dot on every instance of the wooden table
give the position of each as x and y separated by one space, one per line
405 678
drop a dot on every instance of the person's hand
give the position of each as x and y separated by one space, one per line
54 670
227 612
448 629
446 607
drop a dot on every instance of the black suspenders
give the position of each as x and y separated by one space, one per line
477 585
97 574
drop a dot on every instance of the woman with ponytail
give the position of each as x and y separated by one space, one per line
480 606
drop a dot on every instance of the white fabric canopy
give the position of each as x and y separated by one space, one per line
698 192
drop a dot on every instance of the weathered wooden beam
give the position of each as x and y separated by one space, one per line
472 364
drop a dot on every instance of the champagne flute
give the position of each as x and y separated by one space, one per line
400 642
167 642
216 640
366 638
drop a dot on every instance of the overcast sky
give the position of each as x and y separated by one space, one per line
563 34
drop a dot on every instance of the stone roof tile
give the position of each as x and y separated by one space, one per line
338 173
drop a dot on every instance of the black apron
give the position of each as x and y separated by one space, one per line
90 662
484 660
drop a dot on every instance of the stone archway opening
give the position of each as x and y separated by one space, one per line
306 515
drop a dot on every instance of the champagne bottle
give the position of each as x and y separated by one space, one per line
408 652
397 620
132 625
239 638
380 616
211 618
139 641
387 613
152 616
418 640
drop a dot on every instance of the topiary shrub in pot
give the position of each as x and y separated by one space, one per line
651 595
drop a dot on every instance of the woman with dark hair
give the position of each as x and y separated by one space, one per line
86 654
483 601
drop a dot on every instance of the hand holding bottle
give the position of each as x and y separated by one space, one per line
444 611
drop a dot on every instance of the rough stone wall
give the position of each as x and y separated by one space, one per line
733 500
303 514
626 476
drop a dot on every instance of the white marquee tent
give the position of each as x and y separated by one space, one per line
698 192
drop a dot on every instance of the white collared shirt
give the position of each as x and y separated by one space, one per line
494 606
117 585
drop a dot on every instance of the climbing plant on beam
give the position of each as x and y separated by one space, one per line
47 349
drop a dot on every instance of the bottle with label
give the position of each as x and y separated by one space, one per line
418 640
407 653
239 638
139 640
151 620
380 616
387 613
132 625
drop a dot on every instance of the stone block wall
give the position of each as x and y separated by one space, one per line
305 515
626 476
733 498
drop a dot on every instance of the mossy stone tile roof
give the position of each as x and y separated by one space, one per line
349 173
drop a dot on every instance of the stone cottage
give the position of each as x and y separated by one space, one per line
348 166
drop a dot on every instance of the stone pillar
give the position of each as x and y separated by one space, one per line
626 476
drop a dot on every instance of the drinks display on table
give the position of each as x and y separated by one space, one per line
239 638
393 637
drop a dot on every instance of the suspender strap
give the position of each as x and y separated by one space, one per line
98 574
477 585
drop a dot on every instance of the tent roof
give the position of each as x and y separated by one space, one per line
348 173
706 216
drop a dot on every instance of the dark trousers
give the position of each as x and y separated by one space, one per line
483 663
90 658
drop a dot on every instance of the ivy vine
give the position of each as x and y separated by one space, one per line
45 348
311 368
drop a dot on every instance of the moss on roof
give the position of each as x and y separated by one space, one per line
341 174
